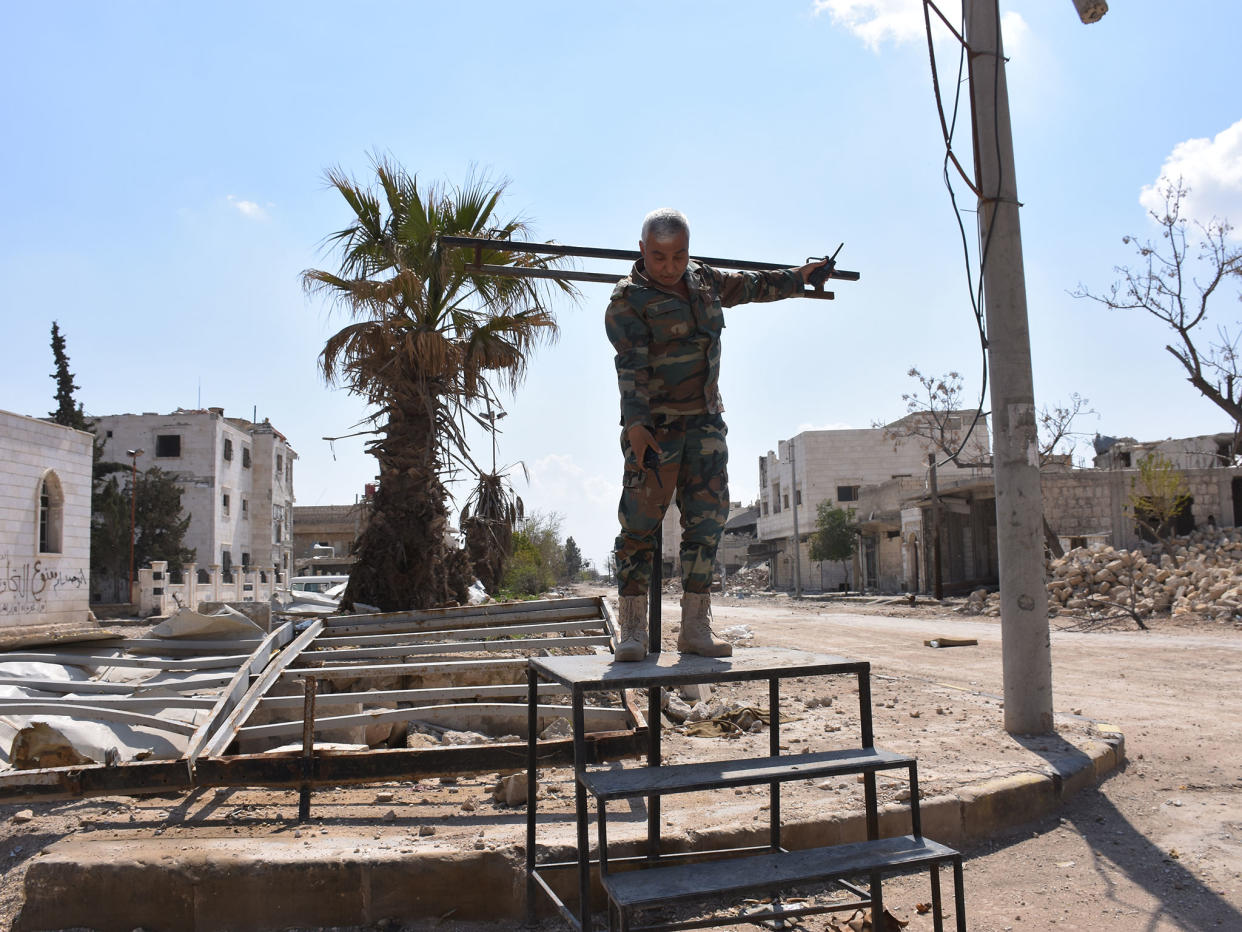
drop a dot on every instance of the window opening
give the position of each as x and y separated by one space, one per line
167 445
51 514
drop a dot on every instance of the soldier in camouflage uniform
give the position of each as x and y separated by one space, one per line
664 320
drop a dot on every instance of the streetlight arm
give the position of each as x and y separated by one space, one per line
1091 11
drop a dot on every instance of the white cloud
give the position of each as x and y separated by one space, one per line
1211 169
880 21
586 502
897 21
248 208
557 472
1014 30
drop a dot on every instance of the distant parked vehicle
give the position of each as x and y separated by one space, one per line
316 583
311 595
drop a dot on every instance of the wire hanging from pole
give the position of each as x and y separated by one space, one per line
948 129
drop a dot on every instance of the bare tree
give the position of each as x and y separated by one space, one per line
936 413
1057 436
1174 283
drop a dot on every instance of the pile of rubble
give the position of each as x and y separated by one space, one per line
747 581
1201 573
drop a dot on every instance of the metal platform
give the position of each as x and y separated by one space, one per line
666 880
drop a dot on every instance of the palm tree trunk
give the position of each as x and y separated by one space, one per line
405 558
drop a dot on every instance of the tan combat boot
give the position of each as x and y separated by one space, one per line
695 636
632 621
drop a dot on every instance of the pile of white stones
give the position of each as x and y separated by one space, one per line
1201 573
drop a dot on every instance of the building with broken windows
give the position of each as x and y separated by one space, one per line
324 536
836 466
899 522
236 478
1203 452
45 530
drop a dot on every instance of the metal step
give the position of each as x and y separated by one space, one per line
686 778
656 886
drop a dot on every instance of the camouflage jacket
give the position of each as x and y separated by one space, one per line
668 351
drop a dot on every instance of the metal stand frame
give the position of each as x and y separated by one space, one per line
589 674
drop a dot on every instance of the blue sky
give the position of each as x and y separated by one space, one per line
163 189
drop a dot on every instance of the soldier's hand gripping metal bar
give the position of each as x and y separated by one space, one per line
817 278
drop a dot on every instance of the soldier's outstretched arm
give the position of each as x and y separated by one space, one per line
744 287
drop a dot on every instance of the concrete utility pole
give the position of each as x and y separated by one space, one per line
1026 650
937 576
793 498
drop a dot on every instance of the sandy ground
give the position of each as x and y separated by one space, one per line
1157 847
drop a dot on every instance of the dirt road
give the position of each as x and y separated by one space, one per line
1157 847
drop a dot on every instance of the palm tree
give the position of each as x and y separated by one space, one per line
428 342
488 519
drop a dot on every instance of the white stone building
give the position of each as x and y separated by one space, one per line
45 529
835 465
236 476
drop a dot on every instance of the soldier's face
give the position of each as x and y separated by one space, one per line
666 259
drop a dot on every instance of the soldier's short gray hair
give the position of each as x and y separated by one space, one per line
665 223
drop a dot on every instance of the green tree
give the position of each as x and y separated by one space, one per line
538 559
160 524
68 411
835 537
1158 496
159 530
109 540
426 340
573 559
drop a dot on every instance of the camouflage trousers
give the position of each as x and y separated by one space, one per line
694 466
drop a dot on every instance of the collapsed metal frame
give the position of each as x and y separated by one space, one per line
329 650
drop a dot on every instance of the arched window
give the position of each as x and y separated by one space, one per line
51 514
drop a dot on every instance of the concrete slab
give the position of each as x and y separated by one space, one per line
238 883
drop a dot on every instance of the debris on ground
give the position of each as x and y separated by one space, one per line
747 581
510 790
951 642
559 728
1201 573
717 719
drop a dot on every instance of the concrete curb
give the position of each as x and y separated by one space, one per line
276 883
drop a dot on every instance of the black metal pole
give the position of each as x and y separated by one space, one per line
308 746
653 594
631 255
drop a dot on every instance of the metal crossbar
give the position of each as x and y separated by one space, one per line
481 243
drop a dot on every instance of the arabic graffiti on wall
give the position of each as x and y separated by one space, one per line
26 587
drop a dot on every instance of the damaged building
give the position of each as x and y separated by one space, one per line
236 478
1083 507
837 466
323 537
